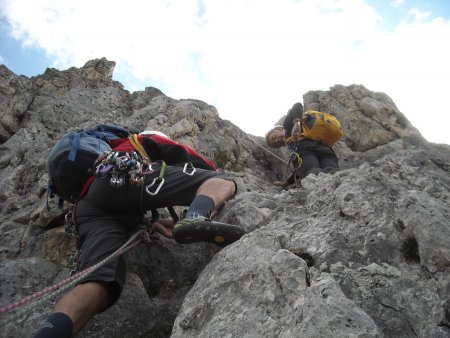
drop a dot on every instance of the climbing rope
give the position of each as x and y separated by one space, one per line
38 298
295 161
268 151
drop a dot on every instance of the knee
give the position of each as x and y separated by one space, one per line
218 186
330 170
231 186
314 171
97 293
228 187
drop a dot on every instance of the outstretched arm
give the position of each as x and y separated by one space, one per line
295 113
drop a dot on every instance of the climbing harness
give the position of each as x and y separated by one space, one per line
38 298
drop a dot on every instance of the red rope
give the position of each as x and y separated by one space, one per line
142 235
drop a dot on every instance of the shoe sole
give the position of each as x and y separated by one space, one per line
221 234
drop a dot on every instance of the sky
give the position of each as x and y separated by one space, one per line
251 59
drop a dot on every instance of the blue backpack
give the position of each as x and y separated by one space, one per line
70 162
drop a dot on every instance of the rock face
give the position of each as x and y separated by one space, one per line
361 253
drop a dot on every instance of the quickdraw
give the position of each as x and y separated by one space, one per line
121 167
295 162
70 228
157 182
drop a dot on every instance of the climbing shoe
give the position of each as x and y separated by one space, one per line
202 229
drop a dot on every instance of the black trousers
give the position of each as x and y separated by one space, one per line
107 216
316 157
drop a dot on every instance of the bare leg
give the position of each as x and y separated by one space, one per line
219 189
83 302
281 184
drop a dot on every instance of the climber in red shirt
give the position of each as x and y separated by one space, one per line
126 186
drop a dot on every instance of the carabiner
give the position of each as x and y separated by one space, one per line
149 170
147 188
136 179
116 180
103 169
191 167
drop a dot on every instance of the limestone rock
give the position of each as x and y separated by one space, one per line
15 97
369 119
361 253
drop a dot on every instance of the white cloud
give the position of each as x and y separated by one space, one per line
418 14
397 3
410 66
251 58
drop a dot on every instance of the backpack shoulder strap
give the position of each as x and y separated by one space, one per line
74 147
139 148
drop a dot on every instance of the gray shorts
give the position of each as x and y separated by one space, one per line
107 216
